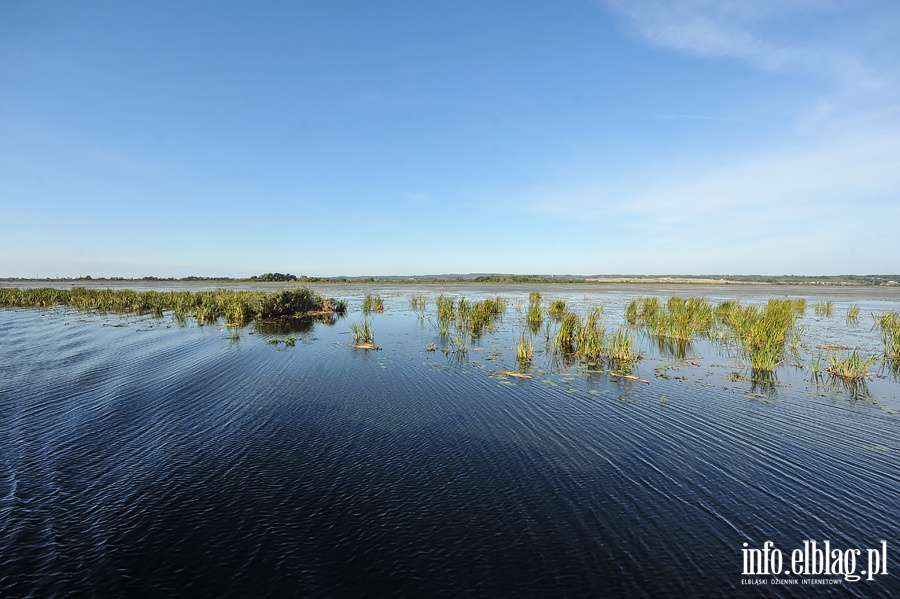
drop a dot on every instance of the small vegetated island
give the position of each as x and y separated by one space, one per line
238 308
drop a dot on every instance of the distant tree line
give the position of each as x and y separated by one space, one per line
274 277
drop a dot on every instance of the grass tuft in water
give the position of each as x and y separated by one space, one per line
762 333
363 332
419 303
557 309
824 309
372 303
888 324
525 349
620 346
849 367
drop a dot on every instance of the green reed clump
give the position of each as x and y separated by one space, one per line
534 298
800 306
446 307
853 314
288 303
683 319
680 319
463 311
372 303
728 311
849 367
762 333
484 314
824 309
642 311
557 309
534 317
620 347
237 307
363 332
888 324
565 339
524 349
590 334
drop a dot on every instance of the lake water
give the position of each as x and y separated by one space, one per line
143 458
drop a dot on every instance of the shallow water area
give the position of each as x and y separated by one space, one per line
144 457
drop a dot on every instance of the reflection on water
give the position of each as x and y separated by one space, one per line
286 326
764 383
674 348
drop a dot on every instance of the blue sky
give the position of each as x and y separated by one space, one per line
372 138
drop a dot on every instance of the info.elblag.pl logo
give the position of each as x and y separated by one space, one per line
827 565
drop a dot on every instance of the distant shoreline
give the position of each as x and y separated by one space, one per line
504 279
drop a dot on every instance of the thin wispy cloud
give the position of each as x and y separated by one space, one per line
738 30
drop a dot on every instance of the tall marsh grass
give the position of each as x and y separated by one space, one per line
236 307
763 333
620 347
849 367
888 324
524 349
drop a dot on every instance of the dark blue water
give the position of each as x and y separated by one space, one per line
156 460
